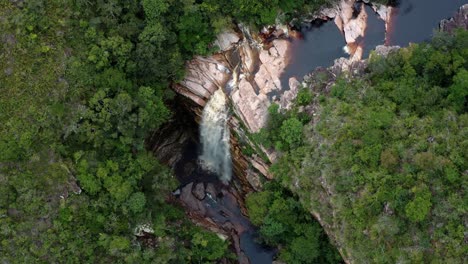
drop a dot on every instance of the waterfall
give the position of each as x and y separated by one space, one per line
214 137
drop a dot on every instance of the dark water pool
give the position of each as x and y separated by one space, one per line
415 20
321 44
258 254
374 34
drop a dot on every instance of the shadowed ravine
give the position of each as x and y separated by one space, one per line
208 189
205 173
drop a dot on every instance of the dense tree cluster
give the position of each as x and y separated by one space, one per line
82 85
285 224
385 162
83 82
283 130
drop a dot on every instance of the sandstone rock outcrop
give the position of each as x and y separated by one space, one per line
273 62
226 40
255 76
352 27
260 166
204 76
356 28
385 13
250 97
250 107
460 20
343 13
288 97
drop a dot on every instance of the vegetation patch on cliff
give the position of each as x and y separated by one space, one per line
383 164
284 223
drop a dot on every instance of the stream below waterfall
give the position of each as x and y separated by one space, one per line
205 168
205 173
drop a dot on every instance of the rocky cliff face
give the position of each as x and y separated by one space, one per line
249 73
460 20
204 76
251 65
254 87
248 68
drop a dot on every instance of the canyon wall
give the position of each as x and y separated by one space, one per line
248 69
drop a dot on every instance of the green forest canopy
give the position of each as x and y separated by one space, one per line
83 82
385 161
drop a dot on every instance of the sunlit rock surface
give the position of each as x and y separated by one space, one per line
356 28
226 40
249 68
385 13
203 77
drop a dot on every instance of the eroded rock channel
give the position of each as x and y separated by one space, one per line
252 71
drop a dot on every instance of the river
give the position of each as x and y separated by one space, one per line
411 21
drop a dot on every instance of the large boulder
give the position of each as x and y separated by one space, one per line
344 13
190 201
226 40
199 191
352 27
386 14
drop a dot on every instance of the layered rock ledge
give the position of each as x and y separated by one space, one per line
249 67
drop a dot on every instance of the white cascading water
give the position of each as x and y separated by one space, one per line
214 137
